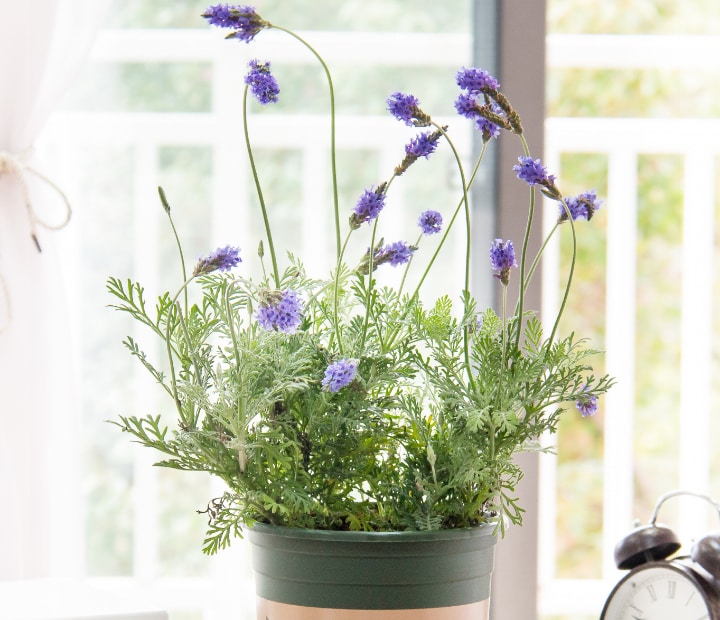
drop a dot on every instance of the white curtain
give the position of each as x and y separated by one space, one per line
43 44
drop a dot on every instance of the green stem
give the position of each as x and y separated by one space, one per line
186 334
333 162
504 337
168 346
538 256
571 271
230 324
448 228
336 295
465 201
258 187
407 268
368 296
523 253
166 207
468 239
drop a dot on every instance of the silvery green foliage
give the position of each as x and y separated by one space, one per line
339 403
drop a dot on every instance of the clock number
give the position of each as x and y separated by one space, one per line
651 591
672 584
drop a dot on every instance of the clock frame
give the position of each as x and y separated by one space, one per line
664 590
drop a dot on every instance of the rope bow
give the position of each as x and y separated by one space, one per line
12 165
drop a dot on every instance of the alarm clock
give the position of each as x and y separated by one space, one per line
662 588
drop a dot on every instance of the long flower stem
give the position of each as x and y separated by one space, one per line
368 296
448 228
168 345
523 253
571 271
166 207
258 187
538 256
504 336
230 323
407 268
336 295
333 162
465 203
468 242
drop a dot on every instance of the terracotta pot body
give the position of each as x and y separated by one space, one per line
322 575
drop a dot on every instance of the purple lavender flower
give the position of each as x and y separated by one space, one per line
582 206
502 259
406 108
587 404
476 80
488 129
219 15
368 206
280 311
263 84
243 20
397 253
222 259
468 106
430 222
422 145
339 374
534 173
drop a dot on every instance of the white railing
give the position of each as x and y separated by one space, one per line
621 139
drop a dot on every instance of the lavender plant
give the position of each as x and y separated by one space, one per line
328 401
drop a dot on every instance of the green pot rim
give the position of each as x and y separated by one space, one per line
373 570
405 536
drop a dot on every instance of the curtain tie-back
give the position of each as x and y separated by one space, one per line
13 165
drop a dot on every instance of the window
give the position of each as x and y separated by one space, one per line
158 106
630 108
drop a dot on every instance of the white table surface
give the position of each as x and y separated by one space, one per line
69 600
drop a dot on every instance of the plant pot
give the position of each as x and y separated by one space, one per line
326 575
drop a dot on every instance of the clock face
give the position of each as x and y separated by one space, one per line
657 592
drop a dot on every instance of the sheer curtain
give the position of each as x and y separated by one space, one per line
42 46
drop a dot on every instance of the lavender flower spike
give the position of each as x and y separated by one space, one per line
368 206
339 374
502 259
397 253
222 259
262 83
476 80
406 108
280 311
430 222
468 106
534 173
582 206
243 20
422 145
587 404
